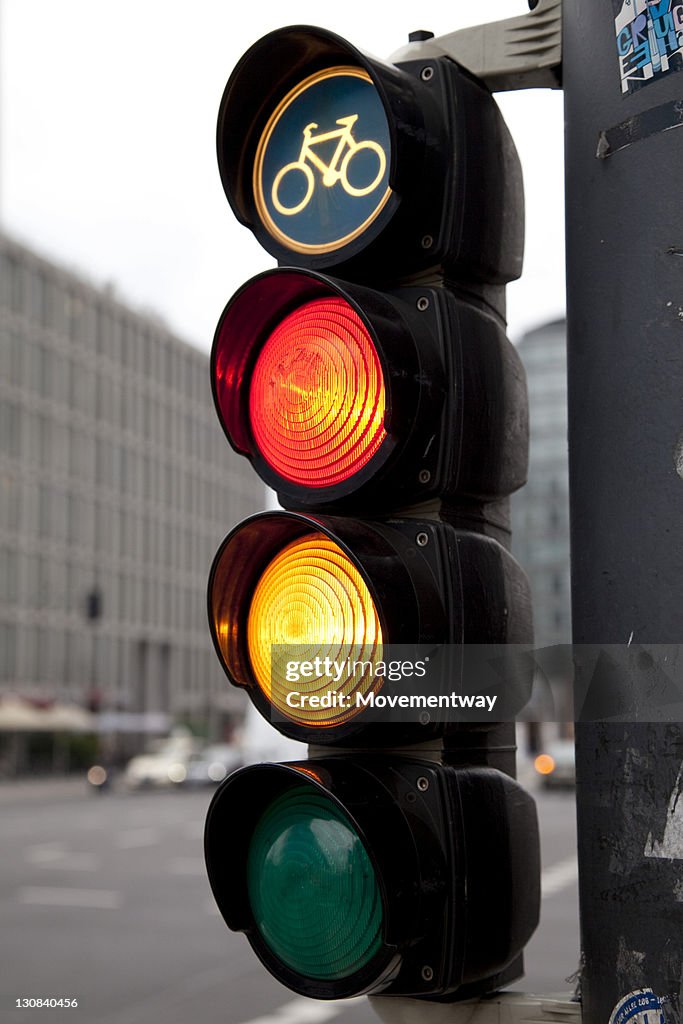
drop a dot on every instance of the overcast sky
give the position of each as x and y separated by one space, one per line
107 142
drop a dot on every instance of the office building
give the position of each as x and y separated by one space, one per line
116 487
540 511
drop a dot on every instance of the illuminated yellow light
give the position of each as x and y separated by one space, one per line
312 598
544 764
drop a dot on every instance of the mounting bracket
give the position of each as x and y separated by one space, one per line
518 53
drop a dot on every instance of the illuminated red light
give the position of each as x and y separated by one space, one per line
317 395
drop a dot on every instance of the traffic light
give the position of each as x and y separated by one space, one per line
387 408
335 159
365 874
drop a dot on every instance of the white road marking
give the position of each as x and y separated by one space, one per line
559 876
42 896
74 862
44 853
306 1011
54 857
135 837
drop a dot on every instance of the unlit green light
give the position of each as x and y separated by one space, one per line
313 890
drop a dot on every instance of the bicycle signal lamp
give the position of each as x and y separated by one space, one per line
369 167
390 416
331 171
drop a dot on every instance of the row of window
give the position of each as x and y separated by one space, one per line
133 477
93 322
78 661
37 582
48 513
170 426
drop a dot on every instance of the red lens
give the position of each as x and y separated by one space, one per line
317 395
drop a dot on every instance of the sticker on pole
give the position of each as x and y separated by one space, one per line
639 1007
649 36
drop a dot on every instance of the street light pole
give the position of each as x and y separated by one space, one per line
625 377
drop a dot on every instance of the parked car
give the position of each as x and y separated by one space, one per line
165 766
211 765
556 765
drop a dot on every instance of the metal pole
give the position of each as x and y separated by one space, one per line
625 374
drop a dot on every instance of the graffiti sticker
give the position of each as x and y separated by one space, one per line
649 35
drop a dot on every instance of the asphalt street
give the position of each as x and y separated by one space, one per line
104 899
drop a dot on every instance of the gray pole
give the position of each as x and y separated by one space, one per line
625 367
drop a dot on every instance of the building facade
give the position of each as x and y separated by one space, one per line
540 511
117 486
540 531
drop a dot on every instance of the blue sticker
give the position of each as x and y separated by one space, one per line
639 1007
649 37
321 172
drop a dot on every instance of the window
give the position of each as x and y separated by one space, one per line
7 651
60 448
83 388
34 363
9 501
11 350
14 278
9 427
108 397
59 514
101 331
28 638
56 374
8 575
105 527
39 304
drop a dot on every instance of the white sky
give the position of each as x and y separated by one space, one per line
107 142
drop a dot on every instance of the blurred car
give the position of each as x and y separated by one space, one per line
556 766
165 766
211 765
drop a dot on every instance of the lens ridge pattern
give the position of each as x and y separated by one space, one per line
317 395
312 887
311 601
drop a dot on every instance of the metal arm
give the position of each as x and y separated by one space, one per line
518 53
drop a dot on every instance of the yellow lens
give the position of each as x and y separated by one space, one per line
313 633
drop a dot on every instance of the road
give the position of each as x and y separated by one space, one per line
105 899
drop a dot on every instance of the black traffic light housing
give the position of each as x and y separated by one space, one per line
456 199
456 417
387 408
439 592
450 851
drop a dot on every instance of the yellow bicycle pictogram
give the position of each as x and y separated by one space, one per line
336 170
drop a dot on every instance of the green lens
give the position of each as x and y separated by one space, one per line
313 891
